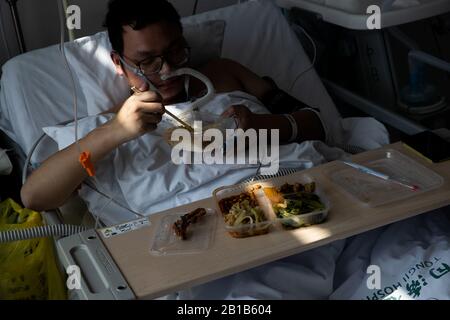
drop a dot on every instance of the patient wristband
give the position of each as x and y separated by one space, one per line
294 127
85 160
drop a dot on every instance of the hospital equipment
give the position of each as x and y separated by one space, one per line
18 26
420 96
353 14
377 71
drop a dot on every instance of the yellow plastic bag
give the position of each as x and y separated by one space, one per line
28 269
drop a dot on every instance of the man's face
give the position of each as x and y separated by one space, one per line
162 38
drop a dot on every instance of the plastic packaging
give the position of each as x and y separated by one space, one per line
373 191
28 268
306 219
257 188
200 235
250 229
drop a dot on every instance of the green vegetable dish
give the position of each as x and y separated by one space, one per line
297 204
291 202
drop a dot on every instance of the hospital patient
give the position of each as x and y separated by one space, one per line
148 36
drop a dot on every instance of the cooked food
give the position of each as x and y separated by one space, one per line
241 210
180 226
294 199
297 204
206 125
298 187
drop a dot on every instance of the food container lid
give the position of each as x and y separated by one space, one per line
374 191
200 235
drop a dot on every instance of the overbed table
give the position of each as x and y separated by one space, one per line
150 276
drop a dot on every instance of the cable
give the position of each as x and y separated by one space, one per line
314 57
113 200
40 232
194 10
97 218
2 26
66 63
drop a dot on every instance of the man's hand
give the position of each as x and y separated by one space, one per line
140 114
244 117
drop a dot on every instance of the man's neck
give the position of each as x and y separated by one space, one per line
181 97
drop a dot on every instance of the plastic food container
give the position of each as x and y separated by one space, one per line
200 235
250 229
305 219
374 191
266 205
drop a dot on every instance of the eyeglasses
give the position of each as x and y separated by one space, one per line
176 57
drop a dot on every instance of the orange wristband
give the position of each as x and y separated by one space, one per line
85 160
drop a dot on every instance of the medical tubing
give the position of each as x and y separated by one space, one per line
28 159
194 73
61 230
2 31
313 63
66 64
69 31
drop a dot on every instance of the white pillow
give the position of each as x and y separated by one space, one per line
205 40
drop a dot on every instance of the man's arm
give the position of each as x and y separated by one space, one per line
59 176
309 124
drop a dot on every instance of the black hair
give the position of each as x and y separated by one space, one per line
137 14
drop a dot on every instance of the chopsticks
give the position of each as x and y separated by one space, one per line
187 126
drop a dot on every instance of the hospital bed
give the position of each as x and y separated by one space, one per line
36 92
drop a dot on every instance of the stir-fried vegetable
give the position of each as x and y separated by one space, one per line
294 199
297 204
244 213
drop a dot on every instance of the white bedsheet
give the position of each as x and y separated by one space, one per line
142 174
413 257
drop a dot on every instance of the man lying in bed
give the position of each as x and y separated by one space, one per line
148 35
